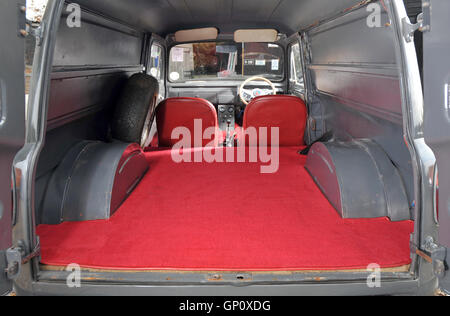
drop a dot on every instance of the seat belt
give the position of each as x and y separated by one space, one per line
325 138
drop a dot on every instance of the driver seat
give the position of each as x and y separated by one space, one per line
288 113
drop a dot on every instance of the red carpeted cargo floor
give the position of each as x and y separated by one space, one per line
199 216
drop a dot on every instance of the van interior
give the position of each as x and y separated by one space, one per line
110 194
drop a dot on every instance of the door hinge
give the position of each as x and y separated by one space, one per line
16 257
434 254
21 20
37 31
409 29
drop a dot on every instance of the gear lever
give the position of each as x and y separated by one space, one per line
229 141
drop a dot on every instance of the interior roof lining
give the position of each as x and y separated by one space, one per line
168 16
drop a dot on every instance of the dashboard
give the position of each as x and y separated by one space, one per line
226 115
224 98
217 95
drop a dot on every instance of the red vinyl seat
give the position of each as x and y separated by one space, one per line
288 113
182 112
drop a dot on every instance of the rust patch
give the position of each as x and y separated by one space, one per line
319 279
216 278
424 256
90 279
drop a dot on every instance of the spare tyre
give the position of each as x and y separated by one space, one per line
135 109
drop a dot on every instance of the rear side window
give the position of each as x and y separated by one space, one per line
156 62
296 68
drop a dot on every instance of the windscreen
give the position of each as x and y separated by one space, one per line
225 61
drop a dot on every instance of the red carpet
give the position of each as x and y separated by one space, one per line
227 217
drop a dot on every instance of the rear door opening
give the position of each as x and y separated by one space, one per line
203 216
111 197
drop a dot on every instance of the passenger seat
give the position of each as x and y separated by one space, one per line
182 112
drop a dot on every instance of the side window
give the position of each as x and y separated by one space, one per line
156 68
156 64
296 70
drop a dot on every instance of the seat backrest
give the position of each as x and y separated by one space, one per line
182 112
288 113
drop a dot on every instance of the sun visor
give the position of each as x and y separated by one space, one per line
252 36
204 34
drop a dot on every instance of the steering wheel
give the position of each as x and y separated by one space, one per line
246 97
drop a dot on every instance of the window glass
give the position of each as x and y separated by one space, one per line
156 62
296 73
225 61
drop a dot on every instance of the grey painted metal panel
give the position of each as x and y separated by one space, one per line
316 121
437 109
167 16
90 67
74 94
359 180
60 140
422 158
12 116
349 63
348 123
5 284
379 95
92 181
322 169
349 40
407 287
218 277
356 80
97 42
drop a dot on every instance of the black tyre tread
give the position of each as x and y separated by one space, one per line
132 108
